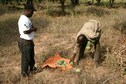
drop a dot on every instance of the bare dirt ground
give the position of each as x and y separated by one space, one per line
88 74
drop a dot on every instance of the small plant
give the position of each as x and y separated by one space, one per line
61 63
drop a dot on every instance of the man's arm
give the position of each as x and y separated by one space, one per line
75 51
33 29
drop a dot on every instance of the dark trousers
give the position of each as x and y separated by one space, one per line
27 56
96 52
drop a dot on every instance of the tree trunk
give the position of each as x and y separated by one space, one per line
30 1
75 2
62 5
111 3
98 2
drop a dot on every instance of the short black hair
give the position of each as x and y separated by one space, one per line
81 39
29 7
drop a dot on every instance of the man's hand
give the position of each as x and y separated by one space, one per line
34 29
31 30
73 57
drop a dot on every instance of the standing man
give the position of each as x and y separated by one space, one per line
89 32
25 43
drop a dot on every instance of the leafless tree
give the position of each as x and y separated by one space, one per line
111 2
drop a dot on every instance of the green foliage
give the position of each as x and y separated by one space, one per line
61 63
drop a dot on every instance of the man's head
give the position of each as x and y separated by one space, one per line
81 39
29 10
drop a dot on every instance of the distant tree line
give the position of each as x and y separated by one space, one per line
74 2
62 2
17 1
111 2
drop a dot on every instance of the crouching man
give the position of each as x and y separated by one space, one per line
91 31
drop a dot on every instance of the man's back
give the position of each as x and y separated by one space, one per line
90 29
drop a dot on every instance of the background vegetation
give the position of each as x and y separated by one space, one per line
56 34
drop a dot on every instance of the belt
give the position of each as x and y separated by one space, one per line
26 41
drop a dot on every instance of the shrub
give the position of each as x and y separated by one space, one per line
97 11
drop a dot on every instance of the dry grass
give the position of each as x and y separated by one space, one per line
56 34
